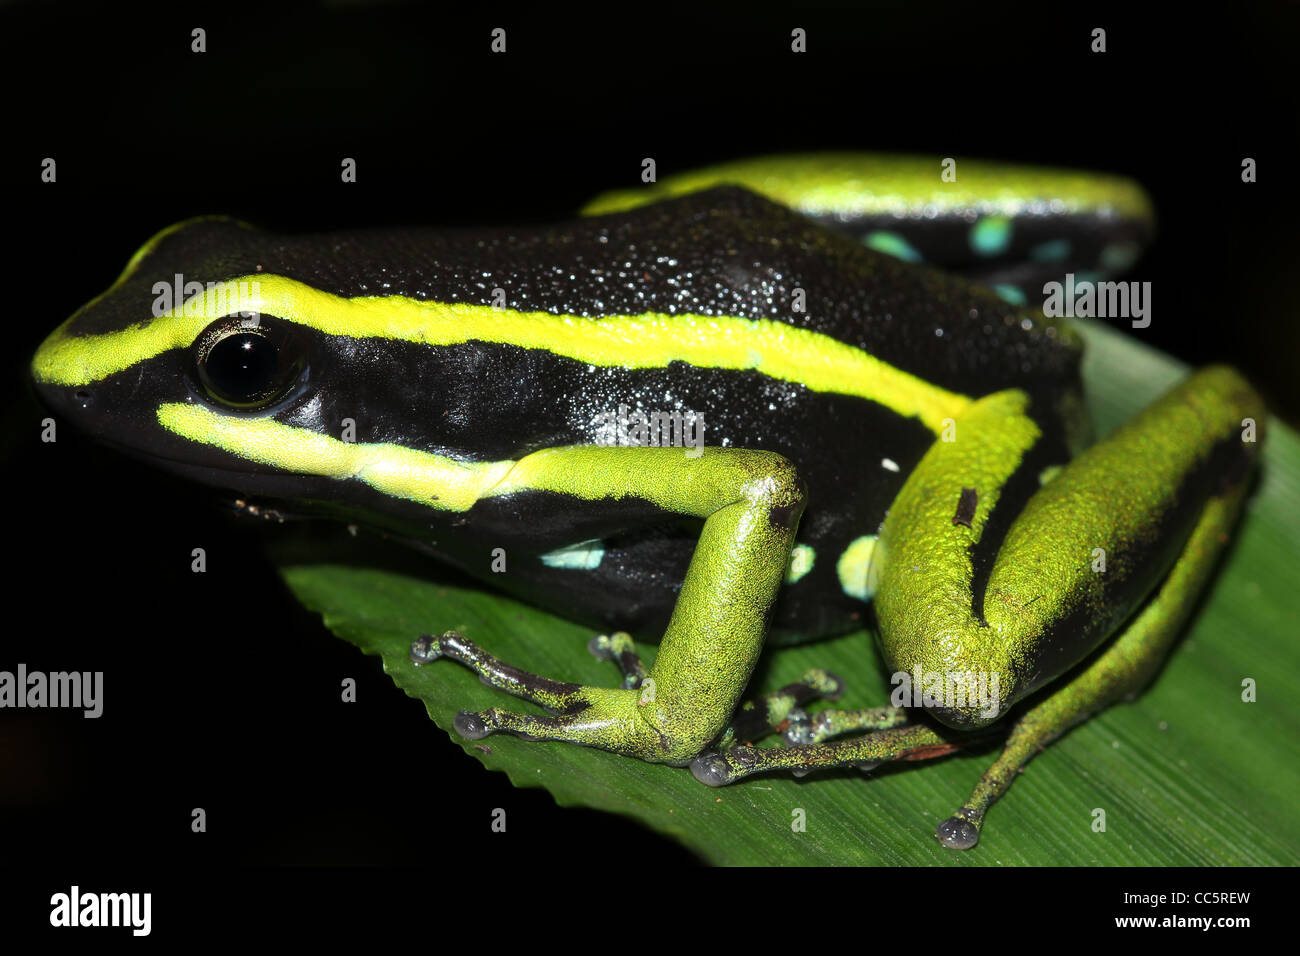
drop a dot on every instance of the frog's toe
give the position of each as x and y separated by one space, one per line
712 769
957 833
797 728
425 649
475 725
620 649
556 696
609 722
916 741
831 686
471 725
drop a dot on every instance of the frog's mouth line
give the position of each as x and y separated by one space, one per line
271 496
234 483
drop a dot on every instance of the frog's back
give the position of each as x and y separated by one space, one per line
724 252
777 332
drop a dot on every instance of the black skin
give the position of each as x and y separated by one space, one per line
732 253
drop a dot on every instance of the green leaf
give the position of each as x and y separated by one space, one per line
1187 774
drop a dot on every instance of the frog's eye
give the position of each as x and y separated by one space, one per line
249 360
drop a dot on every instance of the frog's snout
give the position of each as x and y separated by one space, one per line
72 403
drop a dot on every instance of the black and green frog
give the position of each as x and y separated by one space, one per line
874 428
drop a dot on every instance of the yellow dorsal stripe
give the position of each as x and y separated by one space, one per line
651 340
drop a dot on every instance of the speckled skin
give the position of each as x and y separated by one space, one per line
483 442
725 252
862 193
1136 496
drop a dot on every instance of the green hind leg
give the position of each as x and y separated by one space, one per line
1121 670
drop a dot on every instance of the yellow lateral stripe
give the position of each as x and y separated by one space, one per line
651 340
429 479
63 359
589 472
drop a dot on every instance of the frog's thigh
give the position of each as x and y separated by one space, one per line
1121 669
1081 556
751 502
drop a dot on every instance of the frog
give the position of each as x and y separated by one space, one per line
761 403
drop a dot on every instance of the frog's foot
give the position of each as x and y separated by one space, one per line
780 712
902 741
621 720
783 712
620 649
559 697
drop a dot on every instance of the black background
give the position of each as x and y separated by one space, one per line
220 691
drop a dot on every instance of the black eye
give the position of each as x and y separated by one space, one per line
250 360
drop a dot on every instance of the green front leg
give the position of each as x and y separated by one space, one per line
751 502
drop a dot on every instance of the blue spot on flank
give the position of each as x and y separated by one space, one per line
1054 251
991 236
1010 293
1118 256
891 244
583 556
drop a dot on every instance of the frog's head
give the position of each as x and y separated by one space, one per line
231 356
180 336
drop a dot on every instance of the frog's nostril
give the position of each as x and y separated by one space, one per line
84 396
